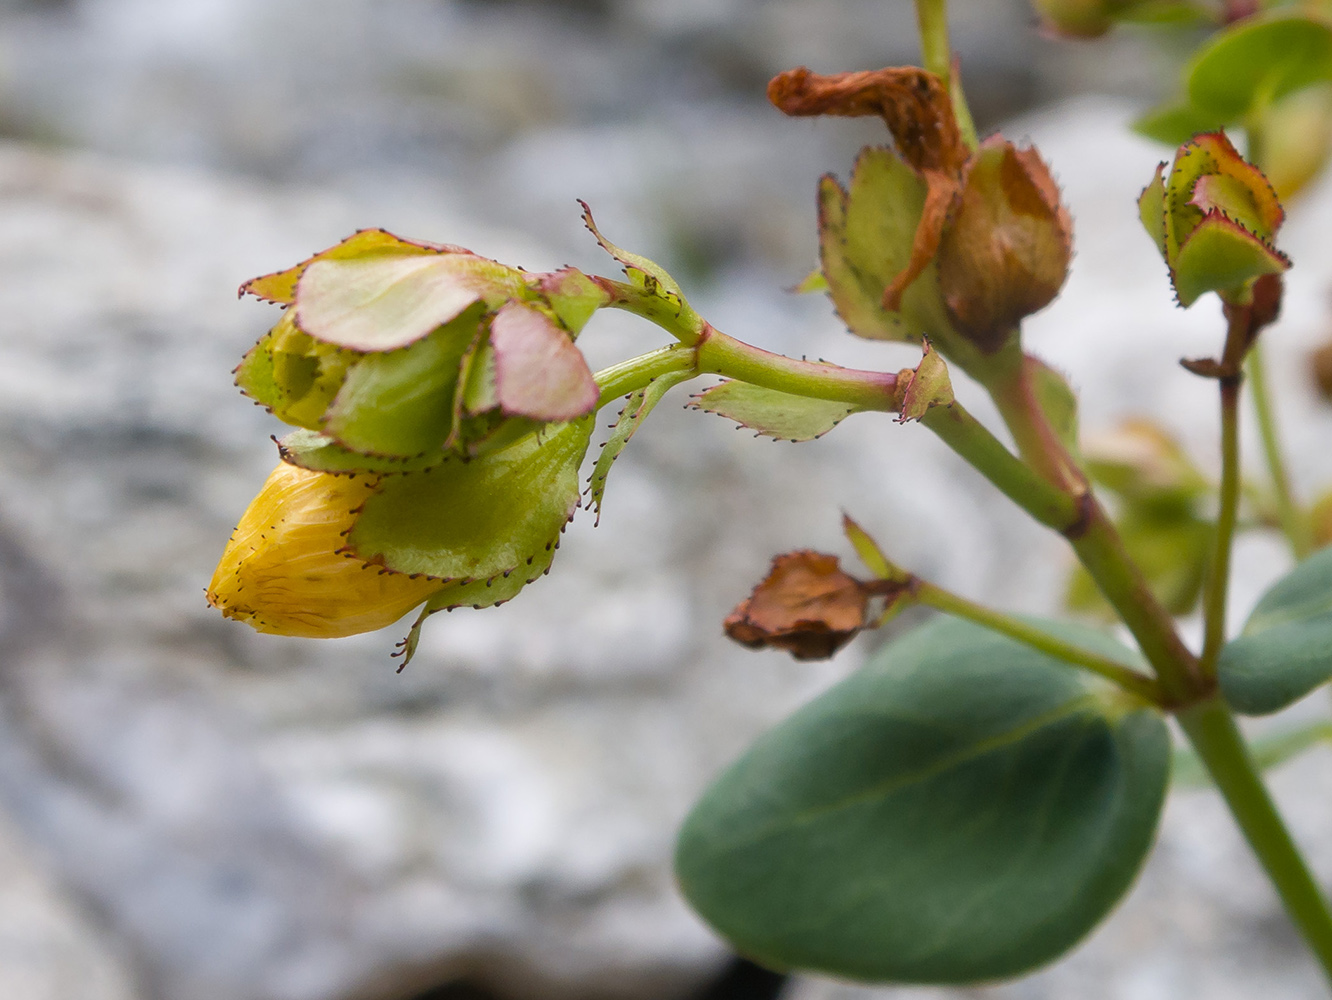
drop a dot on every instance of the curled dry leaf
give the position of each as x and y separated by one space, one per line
806 605
914 104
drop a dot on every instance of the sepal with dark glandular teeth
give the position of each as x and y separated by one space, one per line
408 352
1213 217
1006 249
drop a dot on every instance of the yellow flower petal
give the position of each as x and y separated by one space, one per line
283 571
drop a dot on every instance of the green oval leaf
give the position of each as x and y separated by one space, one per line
479 518
1258 60
962 809
771 413
1176 123
1285 650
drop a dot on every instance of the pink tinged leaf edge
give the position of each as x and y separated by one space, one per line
1229 162
539 372
400 301
279 287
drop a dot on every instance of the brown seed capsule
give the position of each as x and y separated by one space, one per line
1005 251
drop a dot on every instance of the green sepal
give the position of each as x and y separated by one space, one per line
1285 649
1176 122
307 449
812 282
646 274
479 387
255 375
294 375
869 551
1258 60
388 301
572 296
770 413
476 594
636 408
1152 211
401 403
866 236
1220 255
480 518
962 809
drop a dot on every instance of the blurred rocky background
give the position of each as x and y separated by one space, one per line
189 811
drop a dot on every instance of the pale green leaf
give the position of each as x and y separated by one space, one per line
385 302
1257 60
771 413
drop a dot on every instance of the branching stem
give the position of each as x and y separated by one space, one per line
1119 673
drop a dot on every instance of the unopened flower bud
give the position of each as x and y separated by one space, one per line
396 349
1005 251
1213 217
285 570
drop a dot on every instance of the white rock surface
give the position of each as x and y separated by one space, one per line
254 818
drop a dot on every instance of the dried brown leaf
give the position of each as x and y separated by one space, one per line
806 605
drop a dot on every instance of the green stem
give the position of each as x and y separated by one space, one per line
1293 522
1008 379
974 443
937 55
722 355
1101 551
630 376
1098 545
1218 574
1211 729
718 354
1126 677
